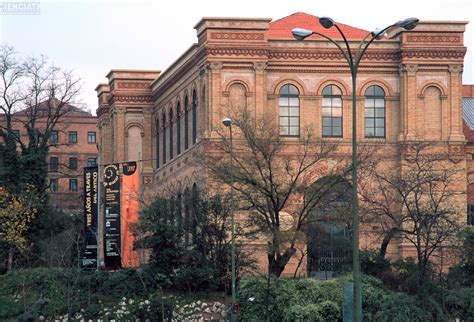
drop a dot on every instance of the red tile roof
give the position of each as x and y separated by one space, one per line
281 28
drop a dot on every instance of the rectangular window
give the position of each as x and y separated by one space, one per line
91 162
54 137
53 163
72 184
73 163
73 137
16 134
53 185
91 137
470 215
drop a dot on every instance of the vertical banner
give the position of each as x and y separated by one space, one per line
129 213
89 259
112 243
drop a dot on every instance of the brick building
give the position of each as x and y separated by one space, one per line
468 113
74 146
167 118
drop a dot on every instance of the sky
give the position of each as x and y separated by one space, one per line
93 37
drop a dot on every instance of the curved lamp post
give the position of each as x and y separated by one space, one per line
354 61
228 123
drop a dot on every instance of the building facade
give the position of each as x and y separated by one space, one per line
468 112
166 119
73 147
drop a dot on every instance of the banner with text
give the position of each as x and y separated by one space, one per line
112 243
89 259
129 213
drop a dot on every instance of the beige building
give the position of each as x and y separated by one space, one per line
408 88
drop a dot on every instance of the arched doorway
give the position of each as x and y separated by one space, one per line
329 229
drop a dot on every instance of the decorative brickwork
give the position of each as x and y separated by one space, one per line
245 62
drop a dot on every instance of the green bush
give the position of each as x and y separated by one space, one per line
460 303
67 291
307 299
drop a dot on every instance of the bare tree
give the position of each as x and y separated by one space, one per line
272 175
417 201
36 95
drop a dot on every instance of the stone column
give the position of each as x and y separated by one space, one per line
408 99
455 102
147 143
215 93
260 89
119 132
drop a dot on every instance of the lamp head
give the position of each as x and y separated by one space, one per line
378 33
227 121
326 22
408 24
301 34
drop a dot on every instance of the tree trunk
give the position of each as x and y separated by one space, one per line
277 261
386 240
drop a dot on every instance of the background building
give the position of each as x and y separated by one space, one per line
73 147
166 119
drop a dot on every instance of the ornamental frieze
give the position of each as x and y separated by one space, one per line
333 55
237 36
131 98
442 54
133 85
446 38
236 52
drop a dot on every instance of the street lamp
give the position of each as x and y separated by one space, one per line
353 61
228 123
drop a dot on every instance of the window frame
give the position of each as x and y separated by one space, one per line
74 135
53 185
89 136
288 126
89 163
470 215
56 167
186 123
73 163
73 185
54 134
331 118
163 121
368 98
178 129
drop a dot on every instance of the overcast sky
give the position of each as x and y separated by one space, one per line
92 37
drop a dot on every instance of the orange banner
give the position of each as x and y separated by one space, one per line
129 213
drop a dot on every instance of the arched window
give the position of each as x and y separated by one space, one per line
178 129
186 123
374 112
332 111
157 143
194 128
289 111
163 130
171 134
